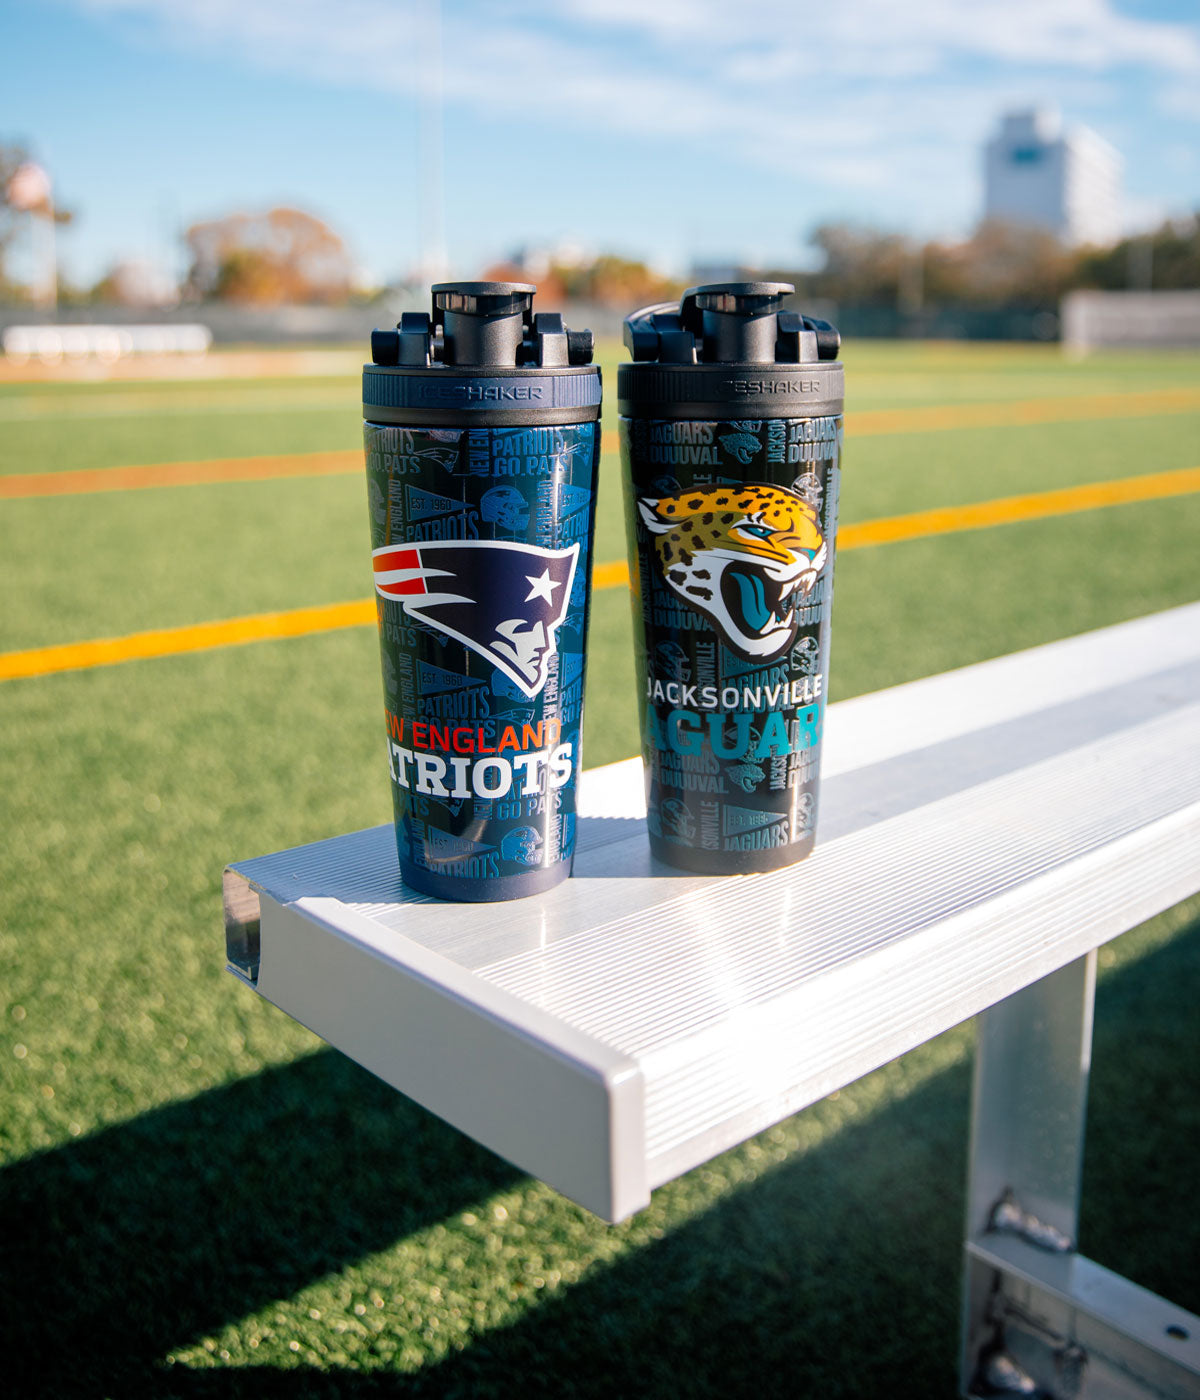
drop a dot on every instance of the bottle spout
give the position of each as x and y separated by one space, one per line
483 323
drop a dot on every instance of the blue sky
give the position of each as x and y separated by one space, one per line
673 130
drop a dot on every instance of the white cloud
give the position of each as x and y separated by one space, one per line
863 96
879 36
383 40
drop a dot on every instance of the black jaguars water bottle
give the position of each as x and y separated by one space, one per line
482 443
731 436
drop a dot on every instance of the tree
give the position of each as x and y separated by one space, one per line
550 288
282 256
999 265
606 280
1167 259
861 265
614 281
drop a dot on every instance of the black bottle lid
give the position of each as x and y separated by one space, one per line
730 350
482 355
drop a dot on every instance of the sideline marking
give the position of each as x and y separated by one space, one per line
298 622
213 364
867 423
1007 510
613 574
79 482
44 408
174 641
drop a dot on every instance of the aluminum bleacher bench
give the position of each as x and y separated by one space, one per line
982 832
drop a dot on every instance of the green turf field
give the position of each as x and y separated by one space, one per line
198 1199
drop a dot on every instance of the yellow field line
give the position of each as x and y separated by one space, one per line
173 641
613 574
1006 510
215 364
70 483
981 515
867 423
116 403
298 622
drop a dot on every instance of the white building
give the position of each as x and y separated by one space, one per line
1066 181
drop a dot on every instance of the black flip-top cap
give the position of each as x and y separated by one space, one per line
481 355
735 322
483 323
730 348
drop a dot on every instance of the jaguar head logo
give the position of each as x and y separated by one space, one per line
743 446
744 556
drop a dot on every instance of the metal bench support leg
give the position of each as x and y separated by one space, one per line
1038 1318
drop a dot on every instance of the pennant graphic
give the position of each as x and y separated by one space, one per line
570 669
572 499
444 845
422 505
748 819
434 680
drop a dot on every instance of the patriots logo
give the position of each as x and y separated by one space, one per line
445 457
504 601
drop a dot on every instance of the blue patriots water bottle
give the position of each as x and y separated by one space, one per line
482 445
731 433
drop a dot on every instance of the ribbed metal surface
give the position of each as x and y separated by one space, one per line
742 941
361 871
690 995
978 830
871 728
868 1016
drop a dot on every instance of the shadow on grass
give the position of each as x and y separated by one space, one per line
1140 1176
832 1274
835 1274
116 1248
